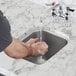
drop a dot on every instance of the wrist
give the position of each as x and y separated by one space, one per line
29 50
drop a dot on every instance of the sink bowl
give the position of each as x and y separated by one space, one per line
55 44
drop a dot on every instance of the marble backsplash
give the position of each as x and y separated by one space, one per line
23 14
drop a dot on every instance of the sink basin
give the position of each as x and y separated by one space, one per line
55 44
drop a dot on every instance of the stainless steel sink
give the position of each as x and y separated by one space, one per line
55 43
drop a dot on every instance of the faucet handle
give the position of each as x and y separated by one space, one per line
69 9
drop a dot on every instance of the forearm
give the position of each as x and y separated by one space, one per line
16 54
16 50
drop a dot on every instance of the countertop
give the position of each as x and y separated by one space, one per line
25 14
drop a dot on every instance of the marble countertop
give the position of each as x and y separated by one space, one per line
25 14
61 64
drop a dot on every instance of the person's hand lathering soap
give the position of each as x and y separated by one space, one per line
37 47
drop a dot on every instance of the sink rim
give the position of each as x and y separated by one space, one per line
54 32
30 37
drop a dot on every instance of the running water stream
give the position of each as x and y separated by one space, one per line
40 58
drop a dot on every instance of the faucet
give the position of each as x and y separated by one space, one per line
61 12
68 9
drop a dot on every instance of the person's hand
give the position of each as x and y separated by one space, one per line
39 48
31 41
36 47
29 44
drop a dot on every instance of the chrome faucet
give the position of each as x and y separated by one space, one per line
68 9
57 10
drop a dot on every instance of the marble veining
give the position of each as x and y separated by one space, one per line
23 14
